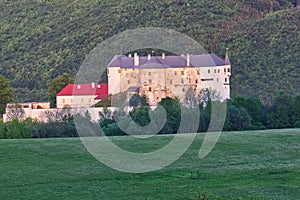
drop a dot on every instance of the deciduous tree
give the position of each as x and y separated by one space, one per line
6 93
56 85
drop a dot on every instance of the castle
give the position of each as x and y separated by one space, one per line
163 76
156 77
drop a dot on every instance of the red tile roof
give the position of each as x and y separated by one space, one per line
100 90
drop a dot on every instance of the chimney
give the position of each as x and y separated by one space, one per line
188 60
163 56
78 87
129 55
149 57
136 60
93 85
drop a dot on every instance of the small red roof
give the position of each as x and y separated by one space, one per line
100 90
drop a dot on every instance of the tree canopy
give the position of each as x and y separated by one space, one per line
6 93
56 85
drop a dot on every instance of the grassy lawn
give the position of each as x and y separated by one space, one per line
242 163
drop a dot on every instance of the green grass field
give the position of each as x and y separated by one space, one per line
242 164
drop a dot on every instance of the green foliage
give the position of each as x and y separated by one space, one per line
237 119
17 129
280 112
262 59
140 115
106 102
2 130
6 93
41 40
113 130
54 129
56 85
172 107
296 108
137 100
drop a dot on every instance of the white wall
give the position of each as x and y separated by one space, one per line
76 101
113 80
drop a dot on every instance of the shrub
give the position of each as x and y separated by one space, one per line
16 129
2 129
297 124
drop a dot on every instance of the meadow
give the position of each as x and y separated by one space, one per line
243 165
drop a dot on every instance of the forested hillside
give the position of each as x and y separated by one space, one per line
42 39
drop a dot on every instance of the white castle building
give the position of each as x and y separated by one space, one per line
163 76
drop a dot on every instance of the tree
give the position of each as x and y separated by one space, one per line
237 119
15 111
17 129
56 85
2 129
172 107
189 99
280 113
296 111
6 93
137 100
57 115
207 95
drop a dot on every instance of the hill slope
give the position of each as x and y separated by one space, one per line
42 39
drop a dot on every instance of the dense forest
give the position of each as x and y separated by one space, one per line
42 39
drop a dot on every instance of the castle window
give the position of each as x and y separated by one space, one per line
218 70
225 70
228 70
217 80
196 81
182 72
150 89
175 73
149 73
215 71
208 71
183 90
225 80
128 81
